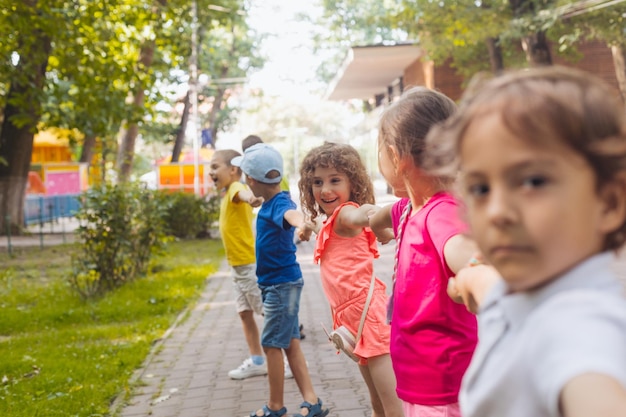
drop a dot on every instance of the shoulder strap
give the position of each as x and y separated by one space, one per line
367 306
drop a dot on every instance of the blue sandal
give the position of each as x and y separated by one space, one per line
313 410
268 412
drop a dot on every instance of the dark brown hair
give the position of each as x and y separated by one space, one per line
345 159
406 122
249 141
544 105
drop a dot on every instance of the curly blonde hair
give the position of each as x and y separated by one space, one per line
346 160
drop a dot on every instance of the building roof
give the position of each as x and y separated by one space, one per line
368 70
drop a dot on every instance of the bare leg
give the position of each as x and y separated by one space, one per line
251 332
381 383
377 405
276 377
297 362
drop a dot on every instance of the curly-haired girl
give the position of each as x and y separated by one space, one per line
334 184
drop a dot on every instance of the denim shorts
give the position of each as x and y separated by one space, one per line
281 303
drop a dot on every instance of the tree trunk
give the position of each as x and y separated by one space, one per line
218 99
127 146
619 62
16 142
537 49
87 152
180 133
495 55
535 45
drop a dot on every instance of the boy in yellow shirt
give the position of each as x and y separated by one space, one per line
235 226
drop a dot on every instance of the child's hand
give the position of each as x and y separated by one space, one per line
305 230
255 201
384 236
472 283
304 233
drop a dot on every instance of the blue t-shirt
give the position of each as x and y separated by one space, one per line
275 250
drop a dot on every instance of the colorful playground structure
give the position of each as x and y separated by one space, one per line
52 171
180 176
55 181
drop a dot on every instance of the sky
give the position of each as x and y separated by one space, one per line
291 65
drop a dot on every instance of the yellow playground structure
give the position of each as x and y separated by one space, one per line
181 176
52 171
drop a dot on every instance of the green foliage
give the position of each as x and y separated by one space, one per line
457 29
352 22
606 24
187 215
94 65
213 207
64 356
121 227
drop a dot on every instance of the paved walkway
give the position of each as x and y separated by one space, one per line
48 234
186 376
186 373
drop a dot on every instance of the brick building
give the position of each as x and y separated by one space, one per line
378 73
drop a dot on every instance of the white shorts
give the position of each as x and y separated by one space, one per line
247 292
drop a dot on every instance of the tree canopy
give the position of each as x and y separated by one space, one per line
99 66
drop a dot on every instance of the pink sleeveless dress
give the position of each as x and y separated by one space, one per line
346 267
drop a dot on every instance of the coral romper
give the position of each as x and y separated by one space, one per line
346 267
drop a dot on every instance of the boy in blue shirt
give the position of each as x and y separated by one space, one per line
280 280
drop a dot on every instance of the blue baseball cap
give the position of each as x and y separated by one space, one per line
258 161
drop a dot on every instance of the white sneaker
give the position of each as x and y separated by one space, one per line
248 369
288 373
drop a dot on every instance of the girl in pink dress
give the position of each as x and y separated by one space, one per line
432 337
334 185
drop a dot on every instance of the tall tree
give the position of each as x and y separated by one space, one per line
229 51
534 39
22 109
179 140
60 59
146 57
89 95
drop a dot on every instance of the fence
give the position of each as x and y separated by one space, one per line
45 209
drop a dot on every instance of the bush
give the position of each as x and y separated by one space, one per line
187 215
121 227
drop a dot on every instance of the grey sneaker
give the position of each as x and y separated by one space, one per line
248 369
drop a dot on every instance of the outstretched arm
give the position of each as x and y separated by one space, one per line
458 251
246 196
303 228
381 225
471 284
351 217
351 220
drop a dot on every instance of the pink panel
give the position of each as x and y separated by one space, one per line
59 183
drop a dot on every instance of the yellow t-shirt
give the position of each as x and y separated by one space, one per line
284 184
236 227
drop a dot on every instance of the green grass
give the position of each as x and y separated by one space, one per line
63 356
